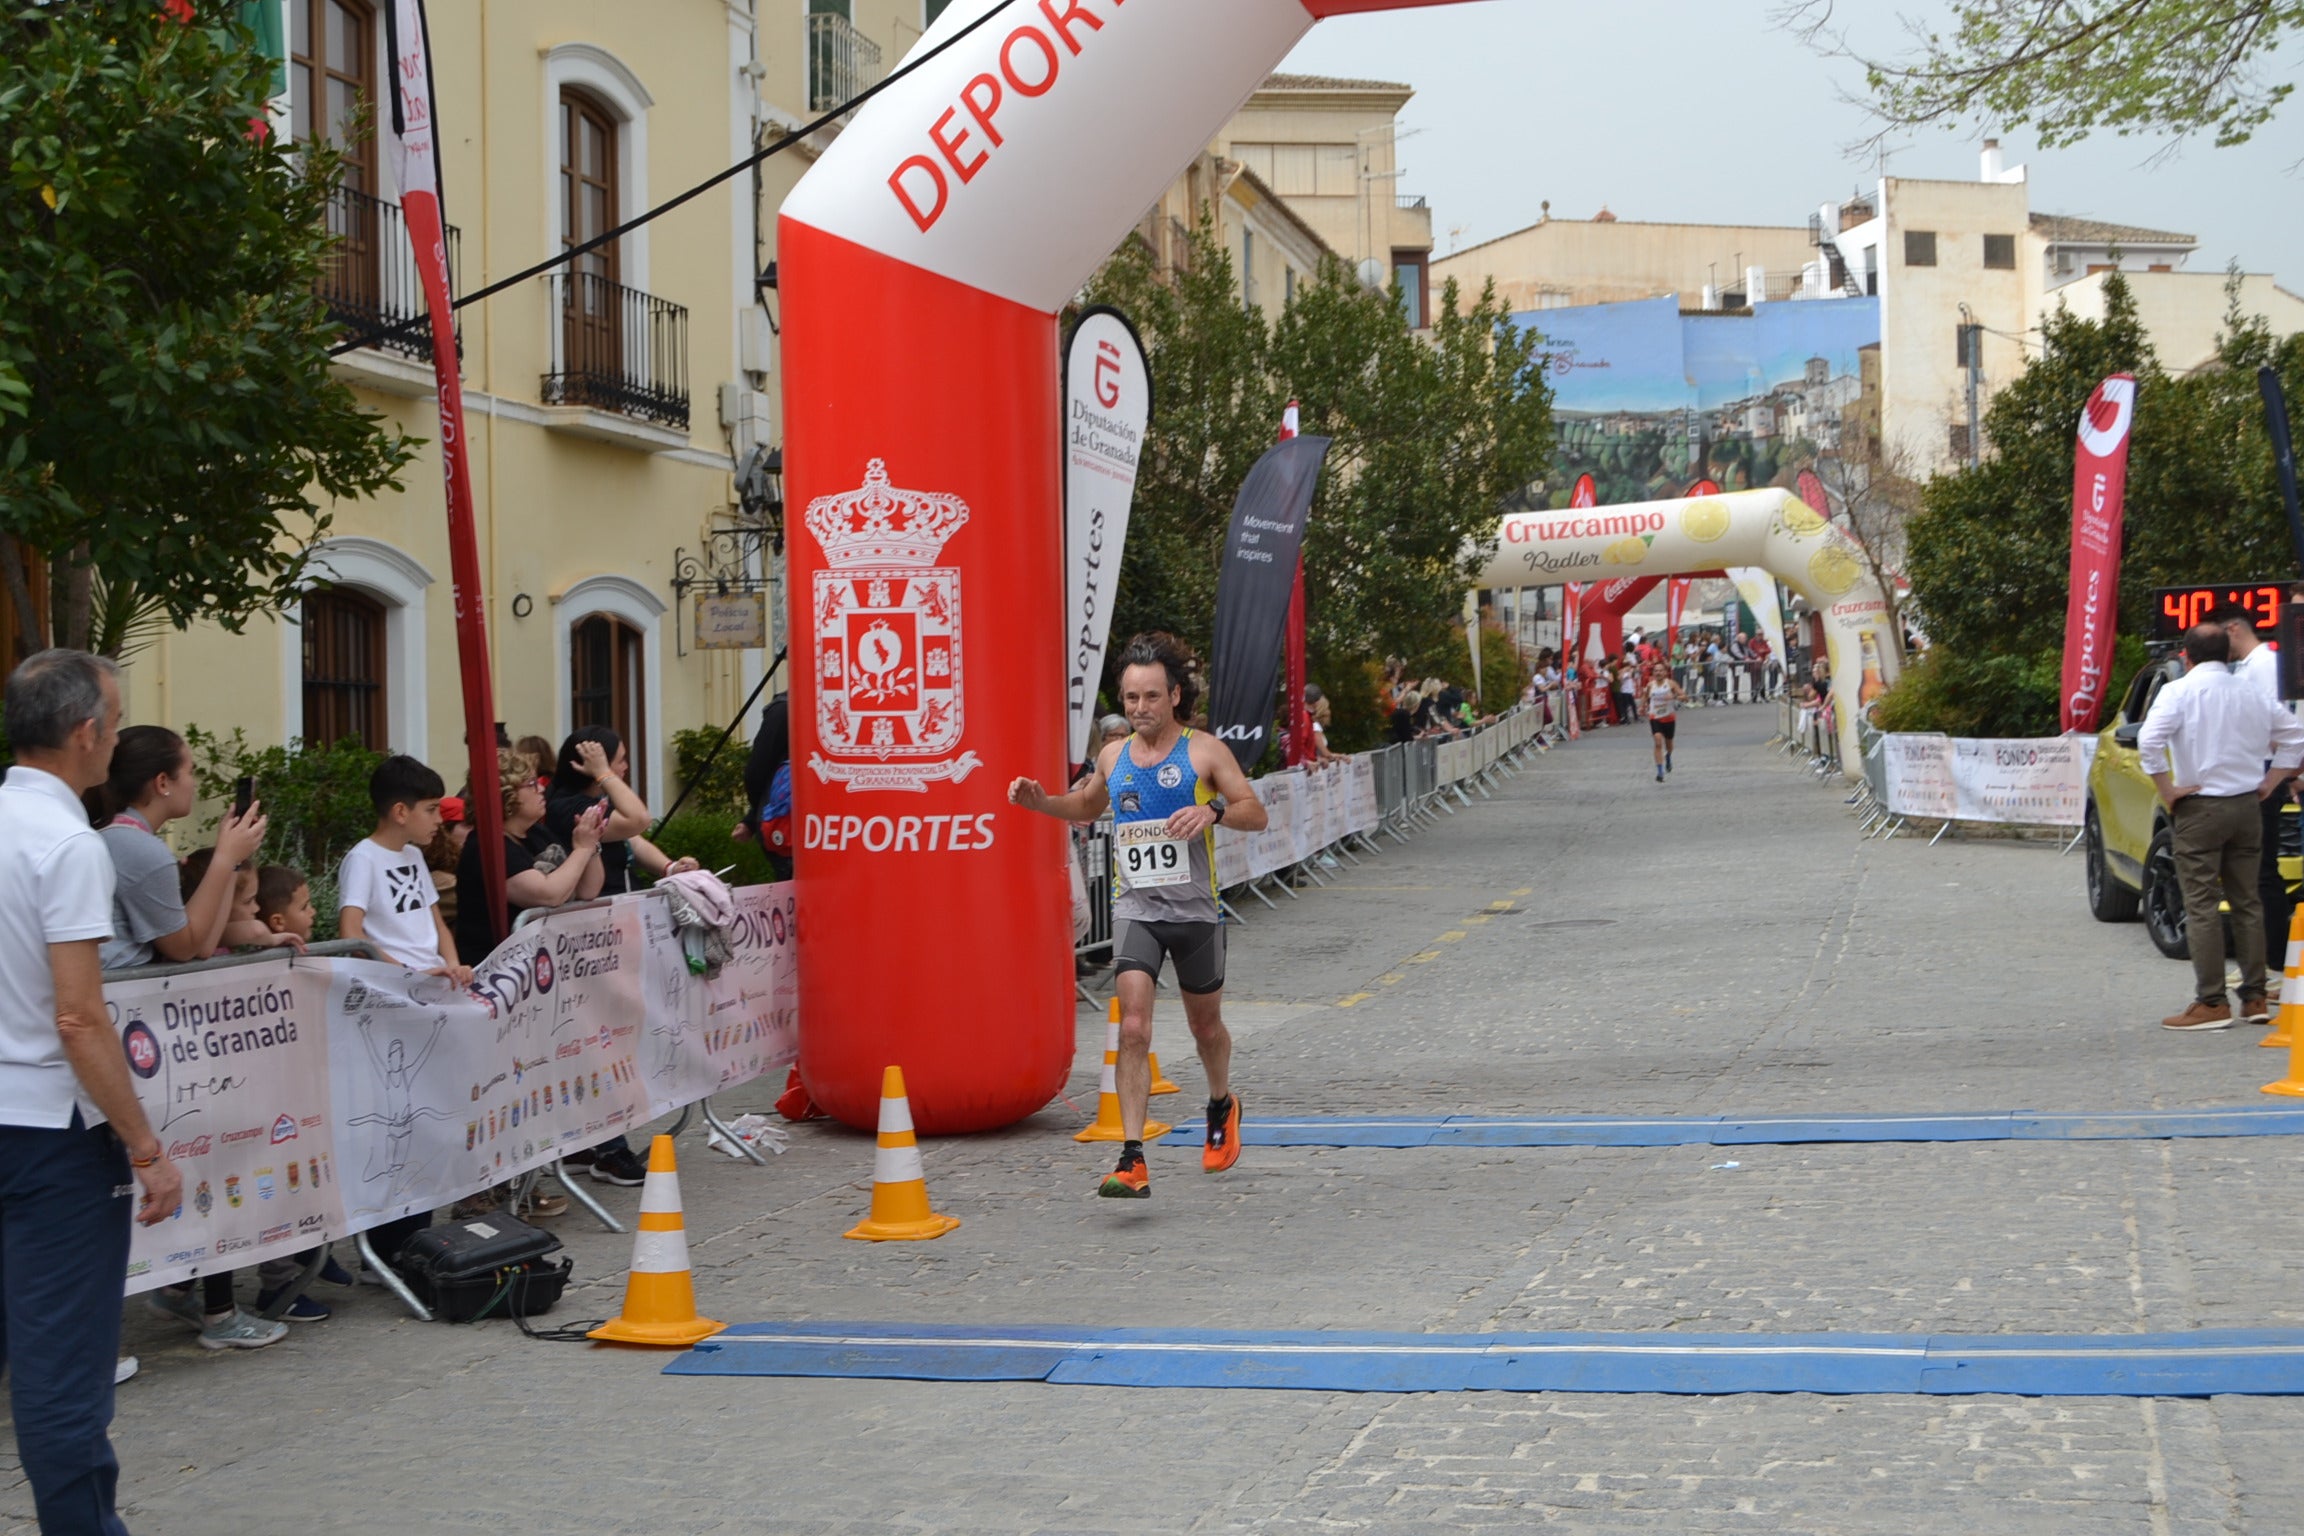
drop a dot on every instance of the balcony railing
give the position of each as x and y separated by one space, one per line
371 285
617 349
841 61
1409 202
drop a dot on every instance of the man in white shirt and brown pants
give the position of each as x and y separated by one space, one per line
2221 728
2259 664
71 1130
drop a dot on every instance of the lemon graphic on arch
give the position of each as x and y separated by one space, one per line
1802 518
1834 570
1630 550
1704 521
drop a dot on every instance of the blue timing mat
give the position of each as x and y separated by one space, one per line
2263 1362
1750 1130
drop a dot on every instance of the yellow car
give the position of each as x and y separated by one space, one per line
2131 856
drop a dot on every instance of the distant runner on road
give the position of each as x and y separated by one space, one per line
1664 699
1168 788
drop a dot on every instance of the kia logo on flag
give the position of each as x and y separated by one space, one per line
2104 422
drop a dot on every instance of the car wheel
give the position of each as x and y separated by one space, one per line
2163 898
2108 900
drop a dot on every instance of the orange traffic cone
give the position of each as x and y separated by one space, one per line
660 1296
899 1188
2283 1032
1107 1125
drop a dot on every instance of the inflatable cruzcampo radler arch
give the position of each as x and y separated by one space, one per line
922 263
1772 529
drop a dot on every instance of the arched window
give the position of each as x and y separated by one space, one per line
608 684
344 668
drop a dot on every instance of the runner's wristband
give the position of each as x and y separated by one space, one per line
143 1162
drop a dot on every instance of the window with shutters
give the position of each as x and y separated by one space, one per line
1919 247
2000 252
607 683
344 668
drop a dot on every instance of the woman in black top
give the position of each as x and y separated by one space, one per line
538 872
591 771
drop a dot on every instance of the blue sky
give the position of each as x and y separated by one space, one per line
1711 113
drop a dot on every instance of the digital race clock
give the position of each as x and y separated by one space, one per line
2176 609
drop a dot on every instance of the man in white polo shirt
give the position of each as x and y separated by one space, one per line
2206 742
71 1129
2259 664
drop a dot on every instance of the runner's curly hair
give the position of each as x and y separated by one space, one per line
1158 648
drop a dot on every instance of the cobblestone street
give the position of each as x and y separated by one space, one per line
1719 944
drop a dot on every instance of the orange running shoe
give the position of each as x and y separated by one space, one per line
1130 1181
1223 1144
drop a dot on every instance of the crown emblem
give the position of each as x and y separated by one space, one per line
879 524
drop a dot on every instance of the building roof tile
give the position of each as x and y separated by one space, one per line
1329 83
2058 226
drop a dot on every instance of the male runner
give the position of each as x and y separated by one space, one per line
1168 788
1664 700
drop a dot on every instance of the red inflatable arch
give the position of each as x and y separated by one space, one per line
922 264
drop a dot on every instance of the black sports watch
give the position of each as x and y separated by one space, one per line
1218 804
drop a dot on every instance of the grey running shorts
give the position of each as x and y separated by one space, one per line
1197 949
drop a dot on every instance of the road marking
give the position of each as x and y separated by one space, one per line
1357 997
1391 977
2256 1362
1452 936
1477 918
1423 959
1526 890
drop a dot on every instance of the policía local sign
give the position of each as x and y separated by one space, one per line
731 621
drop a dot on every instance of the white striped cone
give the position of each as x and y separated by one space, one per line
1106 1126
2284 1032
900 1209
660 1295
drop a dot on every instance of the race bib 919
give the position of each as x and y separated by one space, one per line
1149 856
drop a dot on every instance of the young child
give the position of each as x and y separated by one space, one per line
384 888
284 901
243 929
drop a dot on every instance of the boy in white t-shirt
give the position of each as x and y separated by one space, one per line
384 889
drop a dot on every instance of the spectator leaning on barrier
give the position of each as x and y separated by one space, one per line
2258 664
284 901
384 885
71 1130
538 872
150 784
2220 729
592 768
245 928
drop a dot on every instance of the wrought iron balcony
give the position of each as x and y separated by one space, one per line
371 286
841 61
617 349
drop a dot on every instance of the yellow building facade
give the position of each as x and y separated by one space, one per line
608 404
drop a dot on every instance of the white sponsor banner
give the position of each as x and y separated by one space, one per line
1919 774
305 1099
2026 781
1107 405
231 1067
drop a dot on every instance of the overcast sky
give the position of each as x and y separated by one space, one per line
1709 113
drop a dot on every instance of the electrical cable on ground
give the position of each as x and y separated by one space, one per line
420 322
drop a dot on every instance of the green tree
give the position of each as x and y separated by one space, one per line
2065 68
1432 433
1989 553
167 417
